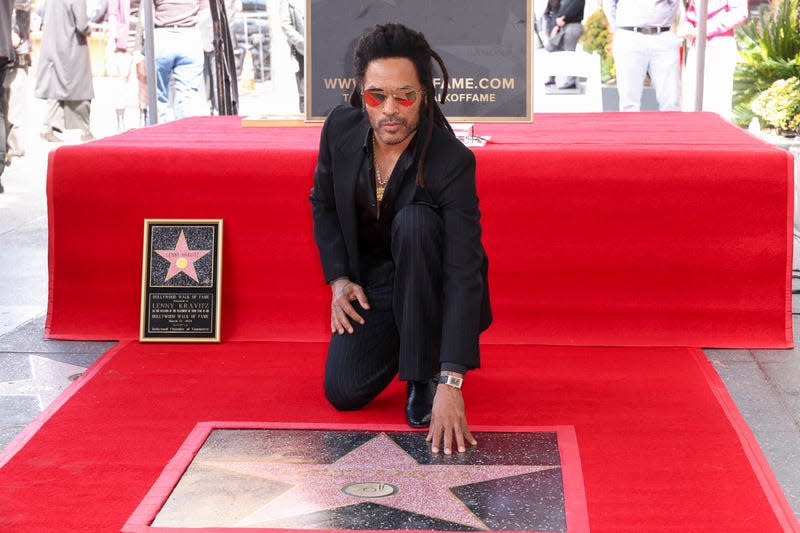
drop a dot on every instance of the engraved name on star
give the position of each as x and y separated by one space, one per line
182 259
398 480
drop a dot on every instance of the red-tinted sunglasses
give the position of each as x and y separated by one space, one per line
376 97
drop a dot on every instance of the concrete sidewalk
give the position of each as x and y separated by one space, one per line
764 383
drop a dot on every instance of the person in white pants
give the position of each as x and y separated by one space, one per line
644 44
720 58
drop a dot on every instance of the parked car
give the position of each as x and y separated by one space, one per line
251 32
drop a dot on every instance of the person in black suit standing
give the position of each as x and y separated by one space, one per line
397 225
565 16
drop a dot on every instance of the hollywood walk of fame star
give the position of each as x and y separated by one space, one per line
182 259
420 489
48 379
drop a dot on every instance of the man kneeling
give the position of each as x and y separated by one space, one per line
397 224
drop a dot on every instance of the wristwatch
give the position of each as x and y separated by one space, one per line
453 381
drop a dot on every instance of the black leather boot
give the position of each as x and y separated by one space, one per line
419 402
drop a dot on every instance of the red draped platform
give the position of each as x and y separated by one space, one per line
602 229
620 230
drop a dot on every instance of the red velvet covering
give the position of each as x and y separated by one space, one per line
661 447
601 229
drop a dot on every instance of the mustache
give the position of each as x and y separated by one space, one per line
392 120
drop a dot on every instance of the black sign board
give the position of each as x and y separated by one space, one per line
181 281
485 45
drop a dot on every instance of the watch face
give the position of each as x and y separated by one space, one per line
452 381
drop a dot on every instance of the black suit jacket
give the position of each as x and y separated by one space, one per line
449 178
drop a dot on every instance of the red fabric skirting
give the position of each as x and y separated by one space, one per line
601 229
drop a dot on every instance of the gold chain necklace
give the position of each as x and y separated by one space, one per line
380 184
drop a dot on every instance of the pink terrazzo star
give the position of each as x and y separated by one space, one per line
420 489
182 259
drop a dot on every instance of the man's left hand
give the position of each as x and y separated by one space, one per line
449 420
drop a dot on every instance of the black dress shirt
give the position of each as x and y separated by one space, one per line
374 231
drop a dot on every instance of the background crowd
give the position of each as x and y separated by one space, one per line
654 42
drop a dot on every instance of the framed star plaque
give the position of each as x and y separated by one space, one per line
181 280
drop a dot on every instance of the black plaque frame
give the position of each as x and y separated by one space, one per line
181 286
483 45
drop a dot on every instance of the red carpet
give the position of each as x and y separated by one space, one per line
661 447
643 229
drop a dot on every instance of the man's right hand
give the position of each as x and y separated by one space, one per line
342 310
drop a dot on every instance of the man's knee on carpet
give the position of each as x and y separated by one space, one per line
346 398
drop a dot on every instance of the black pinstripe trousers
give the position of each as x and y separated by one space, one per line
403 327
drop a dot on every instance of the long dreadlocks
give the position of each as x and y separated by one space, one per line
396 40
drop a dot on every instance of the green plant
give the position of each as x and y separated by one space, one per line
597 38
769 50
779 105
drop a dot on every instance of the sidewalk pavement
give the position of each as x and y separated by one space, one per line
765 384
